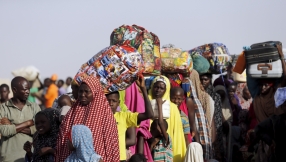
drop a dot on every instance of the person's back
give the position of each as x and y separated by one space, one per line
52 92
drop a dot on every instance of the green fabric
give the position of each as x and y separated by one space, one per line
122 105
200 64
31 98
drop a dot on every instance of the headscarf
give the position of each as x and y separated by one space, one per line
176 80
194 153
264 105
175 128
97 115
82 142
218 121
202 124
201 94
225 107
48 139
135 103
245 104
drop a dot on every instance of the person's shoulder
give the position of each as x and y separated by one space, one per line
33 105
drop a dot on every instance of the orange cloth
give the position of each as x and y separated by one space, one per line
54 77
240 64
51 95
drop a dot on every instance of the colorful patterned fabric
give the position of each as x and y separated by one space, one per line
161 153
147 43
49 139
98 117
175 60
245 104
185 123
82 142
117 67
217 54
202 125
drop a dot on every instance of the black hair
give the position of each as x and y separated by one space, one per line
115 92
61 81
157 121
70 78
209 75
4 86
138 158
176 89
233 84
17 80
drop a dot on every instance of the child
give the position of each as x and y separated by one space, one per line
138 158
128 119
177 97
4 93
160 144
65 104
44 141
80 142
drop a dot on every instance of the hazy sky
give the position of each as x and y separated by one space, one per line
59 36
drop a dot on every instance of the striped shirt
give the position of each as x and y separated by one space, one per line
161 153
185 123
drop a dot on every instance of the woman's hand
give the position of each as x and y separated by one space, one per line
141 82
234 101
28 147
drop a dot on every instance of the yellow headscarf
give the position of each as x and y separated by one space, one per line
175 127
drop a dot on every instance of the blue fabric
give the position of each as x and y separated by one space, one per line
83 143
280 96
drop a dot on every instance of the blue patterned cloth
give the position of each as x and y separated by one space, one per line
83 143
280 96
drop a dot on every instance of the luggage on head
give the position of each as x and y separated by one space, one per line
175 60
200 64
30 73
147 44
116 67
217 55
263 60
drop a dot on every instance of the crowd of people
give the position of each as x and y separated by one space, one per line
209 120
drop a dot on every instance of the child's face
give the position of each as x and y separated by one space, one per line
113 100
42 124
177 98
4 93
65 102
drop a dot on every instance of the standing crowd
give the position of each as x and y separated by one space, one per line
210 120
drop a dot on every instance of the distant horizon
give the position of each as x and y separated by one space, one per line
59 36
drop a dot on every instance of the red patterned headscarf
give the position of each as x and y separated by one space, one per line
97 116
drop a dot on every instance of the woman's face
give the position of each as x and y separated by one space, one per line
231 91
159 89
85 94
205 81
42 124
265 88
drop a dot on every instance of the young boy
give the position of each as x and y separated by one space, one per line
160 144
128 119
65 104
177 97
4 93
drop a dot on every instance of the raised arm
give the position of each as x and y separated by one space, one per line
283 83
161 121
192 118
148 114
130 139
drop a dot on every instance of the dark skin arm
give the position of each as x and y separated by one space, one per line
130 139
148 114
161 121
191 111
283 83
140 143
25 126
